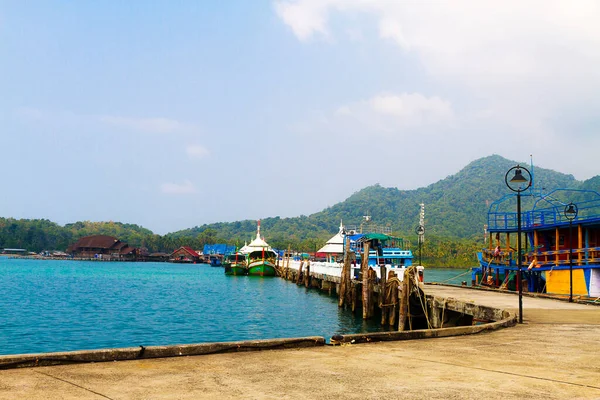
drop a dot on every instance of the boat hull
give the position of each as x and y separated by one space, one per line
547 279
261 268
235 270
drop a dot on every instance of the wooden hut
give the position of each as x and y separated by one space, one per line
101 247
184 254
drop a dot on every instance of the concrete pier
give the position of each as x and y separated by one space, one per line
553 355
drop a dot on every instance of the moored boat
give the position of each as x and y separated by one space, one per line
216 260
391 252
235 264
260 257
262 262
561 253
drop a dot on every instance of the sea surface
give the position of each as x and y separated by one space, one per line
64 305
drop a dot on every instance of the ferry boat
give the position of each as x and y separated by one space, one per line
560 254
235 264
390 251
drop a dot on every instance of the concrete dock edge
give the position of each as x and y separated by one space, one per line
141 352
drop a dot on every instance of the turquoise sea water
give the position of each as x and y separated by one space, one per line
48 306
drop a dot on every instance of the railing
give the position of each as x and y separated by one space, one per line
582 256
549 216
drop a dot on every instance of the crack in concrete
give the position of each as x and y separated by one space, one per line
509 373
74 384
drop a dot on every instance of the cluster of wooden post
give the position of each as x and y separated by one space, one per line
393 297
393 293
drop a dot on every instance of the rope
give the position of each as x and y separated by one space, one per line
424 307
443 311
505 283
454 277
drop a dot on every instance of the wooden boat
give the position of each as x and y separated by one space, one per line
260 257
560 254
235 264
262 262
216 260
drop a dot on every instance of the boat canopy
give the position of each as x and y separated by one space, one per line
335 245
258 253
235 256
540 210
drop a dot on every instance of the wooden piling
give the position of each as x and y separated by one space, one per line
345 278
298 281
287 264
307 275
364 268
372 280
393 289
383 300
404 301
354 286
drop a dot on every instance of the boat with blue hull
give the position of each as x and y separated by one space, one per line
561 251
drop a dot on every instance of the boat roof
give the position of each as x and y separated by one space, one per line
335 244
257 244
543 210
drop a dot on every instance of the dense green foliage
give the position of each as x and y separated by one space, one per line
455 214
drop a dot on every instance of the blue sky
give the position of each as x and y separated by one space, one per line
175 114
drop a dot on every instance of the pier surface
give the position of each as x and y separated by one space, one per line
552 355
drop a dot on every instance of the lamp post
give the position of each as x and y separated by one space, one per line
518 183
420 231
571 212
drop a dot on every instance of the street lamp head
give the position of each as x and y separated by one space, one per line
518 182
571 211
518 178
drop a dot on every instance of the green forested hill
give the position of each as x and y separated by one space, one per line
455 207
455 212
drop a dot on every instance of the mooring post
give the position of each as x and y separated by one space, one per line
345 281
394 288
307 274
354 295
364 268
404 301
383 300
287 264
298 281
372 280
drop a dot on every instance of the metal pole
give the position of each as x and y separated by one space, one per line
520 280
570 261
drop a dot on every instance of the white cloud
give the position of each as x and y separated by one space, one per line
187 187
58 118
196 151
389 112
524 72
151 125
479 42
305 18
412 106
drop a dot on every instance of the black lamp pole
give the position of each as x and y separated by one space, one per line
571 213
420 230
520 183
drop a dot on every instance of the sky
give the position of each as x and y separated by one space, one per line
171 115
